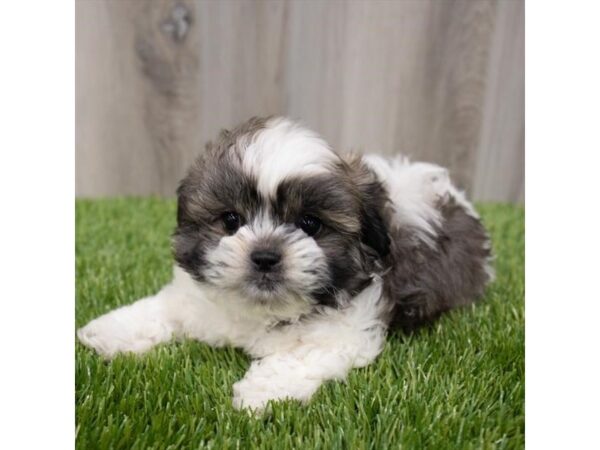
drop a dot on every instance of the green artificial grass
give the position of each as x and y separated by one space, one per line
458 385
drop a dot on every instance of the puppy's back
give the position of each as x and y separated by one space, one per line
440 252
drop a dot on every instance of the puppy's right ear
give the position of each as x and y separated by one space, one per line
373 227
374 206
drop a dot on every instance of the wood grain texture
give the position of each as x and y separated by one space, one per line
500 170
439 80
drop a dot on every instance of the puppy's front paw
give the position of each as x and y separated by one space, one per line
117 332
254 393
252 396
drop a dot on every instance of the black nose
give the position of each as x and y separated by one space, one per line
264 260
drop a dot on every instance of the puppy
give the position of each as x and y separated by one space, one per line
304 258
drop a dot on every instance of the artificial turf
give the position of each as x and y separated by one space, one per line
458 385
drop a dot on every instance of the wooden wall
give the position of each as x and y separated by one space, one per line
441 80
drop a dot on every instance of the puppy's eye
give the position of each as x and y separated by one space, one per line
232 221
309 224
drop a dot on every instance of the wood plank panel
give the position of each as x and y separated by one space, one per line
156 79
500 169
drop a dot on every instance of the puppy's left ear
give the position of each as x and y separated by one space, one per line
374 201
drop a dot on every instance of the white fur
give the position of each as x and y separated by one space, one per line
415 189
284 149
294 359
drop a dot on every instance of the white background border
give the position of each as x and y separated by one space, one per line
562 149
37 225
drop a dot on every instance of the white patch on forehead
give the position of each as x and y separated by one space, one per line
284 149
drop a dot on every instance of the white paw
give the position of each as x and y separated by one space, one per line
118 332
246 396
254 393
255 396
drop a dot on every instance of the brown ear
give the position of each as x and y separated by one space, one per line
374 204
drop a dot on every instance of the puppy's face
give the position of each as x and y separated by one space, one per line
271 213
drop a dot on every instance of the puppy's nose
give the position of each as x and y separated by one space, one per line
264 260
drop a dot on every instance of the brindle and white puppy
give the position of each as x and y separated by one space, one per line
304 258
